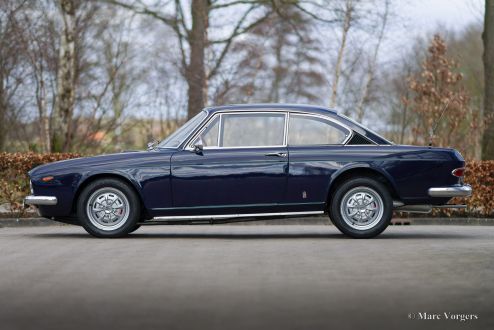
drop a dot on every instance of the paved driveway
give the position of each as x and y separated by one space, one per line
246 277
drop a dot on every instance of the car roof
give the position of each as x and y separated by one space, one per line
271 106
314 109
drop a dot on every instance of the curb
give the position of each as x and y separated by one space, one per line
321 220
27 222
444 221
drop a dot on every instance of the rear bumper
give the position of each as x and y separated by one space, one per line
451 191
40 200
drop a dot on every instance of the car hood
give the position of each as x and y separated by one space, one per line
114 161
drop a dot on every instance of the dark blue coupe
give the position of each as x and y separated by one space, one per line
252 162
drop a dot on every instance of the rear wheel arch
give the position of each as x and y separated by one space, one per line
365 172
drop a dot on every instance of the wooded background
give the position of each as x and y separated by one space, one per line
110 75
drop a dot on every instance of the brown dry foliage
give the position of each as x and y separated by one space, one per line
480 174
439 98
14 182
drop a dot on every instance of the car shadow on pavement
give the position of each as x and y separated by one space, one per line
260 235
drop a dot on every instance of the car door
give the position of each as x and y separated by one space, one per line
242 166
315 146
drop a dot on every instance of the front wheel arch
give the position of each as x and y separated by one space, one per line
100 176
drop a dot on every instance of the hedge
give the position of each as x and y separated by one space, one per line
14 183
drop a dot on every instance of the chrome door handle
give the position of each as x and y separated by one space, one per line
277 154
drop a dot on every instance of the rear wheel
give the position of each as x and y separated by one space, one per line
108 208
135 228
361 207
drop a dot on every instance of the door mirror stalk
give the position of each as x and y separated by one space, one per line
198 148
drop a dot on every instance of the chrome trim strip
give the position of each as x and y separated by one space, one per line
452 191
287 123
234 205
40 200
232 216
426 208
397 204
450 206
422 208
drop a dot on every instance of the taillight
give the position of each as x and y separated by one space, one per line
458 172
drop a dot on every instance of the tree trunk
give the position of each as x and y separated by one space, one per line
64 103
196 69
339 60
372 66
488 58
278 70
44 120
3 115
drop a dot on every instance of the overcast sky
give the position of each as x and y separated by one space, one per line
423 15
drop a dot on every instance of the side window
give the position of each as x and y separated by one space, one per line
308 130
209 137
252 129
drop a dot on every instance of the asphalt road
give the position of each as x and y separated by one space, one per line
246 277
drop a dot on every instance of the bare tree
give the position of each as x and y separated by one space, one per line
488 58
278 61
12 66
64 104
40 49
371 68
348 12
194 41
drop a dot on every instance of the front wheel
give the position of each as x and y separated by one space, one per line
361 208
108 208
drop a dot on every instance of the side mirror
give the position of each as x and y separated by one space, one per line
152 144
198 147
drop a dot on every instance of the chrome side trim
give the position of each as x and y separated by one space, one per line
397 204
414 208
40 200
426 208
232 216
451 191
450 206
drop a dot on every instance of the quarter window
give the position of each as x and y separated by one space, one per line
209 137
252 129
308 130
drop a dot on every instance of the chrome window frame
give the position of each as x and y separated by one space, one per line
187 144
189 141
348 134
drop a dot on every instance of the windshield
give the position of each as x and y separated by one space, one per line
177 137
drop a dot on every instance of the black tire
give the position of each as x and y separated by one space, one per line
110 186
344 193
134 229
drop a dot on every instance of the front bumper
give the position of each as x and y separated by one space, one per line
40 200
451 191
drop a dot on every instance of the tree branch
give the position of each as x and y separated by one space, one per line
233 3
238 30
143 11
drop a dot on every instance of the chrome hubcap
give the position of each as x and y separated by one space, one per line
108 209
362 208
